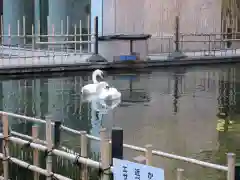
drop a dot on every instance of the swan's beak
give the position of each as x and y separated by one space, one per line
102 76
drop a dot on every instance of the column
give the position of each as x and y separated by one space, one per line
58 11
13 10
96 10
36 16
29 16
109 17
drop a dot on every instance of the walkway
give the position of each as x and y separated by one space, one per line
18 60
218 53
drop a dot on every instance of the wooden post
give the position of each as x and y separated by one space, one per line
5 146
117 143
103 135
231 159
49 148
84 142
148 154
57 133
105 155
35 150
180 174
57 140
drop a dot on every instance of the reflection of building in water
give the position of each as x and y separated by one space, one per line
59 90
11 100
96 119
227 89
17 97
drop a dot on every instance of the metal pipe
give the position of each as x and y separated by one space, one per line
96 36
177 34
66 42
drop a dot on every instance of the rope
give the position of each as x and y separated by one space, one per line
27 145
52 175
76 162
103 171
4 147
28 166
48 152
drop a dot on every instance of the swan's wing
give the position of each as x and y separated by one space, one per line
88 89
115 94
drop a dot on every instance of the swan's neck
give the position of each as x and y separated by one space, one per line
94 78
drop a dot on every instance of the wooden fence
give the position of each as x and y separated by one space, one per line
50 148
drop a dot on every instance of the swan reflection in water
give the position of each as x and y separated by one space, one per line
102 106
99 109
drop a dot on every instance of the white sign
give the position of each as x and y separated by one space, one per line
126 170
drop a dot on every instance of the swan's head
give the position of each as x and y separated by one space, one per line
99 73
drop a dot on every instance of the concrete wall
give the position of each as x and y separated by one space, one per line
157 17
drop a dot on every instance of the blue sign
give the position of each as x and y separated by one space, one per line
128 57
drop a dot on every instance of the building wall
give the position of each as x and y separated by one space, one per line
157 17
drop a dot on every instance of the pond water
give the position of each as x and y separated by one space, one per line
176 110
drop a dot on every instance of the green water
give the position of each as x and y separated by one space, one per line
176 110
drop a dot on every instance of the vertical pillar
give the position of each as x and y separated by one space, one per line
43 8
29 16
58 12
13 10
96 10
36 16
117 143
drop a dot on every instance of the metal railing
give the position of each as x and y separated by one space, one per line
208 44
20 49
75 38
104 149
66 42
195 44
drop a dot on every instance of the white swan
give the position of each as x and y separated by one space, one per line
92 88
96 91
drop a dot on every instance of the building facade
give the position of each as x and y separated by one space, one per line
45 16
136 16
157 17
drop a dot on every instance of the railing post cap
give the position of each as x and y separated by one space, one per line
180 169
57 121
117 128
148 146
103 129
83 132
231 154
35 125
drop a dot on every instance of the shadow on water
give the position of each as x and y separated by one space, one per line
192 112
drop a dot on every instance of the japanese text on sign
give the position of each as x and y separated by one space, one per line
126 170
